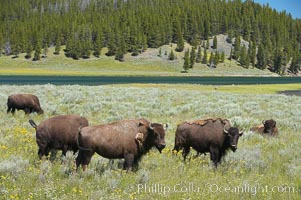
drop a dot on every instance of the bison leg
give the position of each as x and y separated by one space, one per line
43 151
83 158
128 162
12 110
27 111
214 156
186 151
8 110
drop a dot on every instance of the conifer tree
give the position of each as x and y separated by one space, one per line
261 57
198 55
223 57
237 48
29 50
207 44
186 65
214 43
192 57
57 48
205 60
180 43
212 59
97 45
37 51
171 55
243 56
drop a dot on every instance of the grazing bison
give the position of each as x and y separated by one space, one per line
208 135
267 127
58 133
128 139
27 102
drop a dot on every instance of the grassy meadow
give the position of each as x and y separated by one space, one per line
146 64
261 168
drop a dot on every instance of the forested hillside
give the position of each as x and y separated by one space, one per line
271 39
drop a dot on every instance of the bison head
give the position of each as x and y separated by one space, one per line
269 126
152 134
233 135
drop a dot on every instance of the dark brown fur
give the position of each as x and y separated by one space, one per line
209 137
58 133
27 102
128 139
267 127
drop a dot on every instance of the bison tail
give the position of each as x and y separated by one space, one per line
33 124
78 141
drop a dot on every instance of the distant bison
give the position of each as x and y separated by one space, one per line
267 127
27 102
214 135
58 133
128 139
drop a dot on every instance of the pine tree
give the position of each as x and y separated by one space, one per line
261 57
198 55
186 65
214 43
237 48
243 56
160 52
57 48
171 55
277 61
37 50
180 44
216 58
212 59
192 57
207 44
29 50
223 57
205 60
97 45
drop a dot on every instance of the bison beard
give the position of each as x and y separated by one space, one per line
214 137
128 139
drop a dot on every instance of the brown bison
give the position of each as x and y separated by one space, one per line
207 135
58 133
267 127
128 139
27 102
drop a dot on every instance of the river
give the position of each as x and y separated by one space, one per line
104 80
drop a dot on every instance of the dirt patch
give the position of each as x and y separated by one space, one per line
291 92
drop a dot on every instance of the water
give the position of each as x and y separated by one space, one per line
104 80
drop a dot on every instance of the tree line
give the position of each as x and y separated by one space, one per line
273 39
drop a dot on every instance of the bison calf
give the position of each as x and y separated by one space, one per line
208 135
128 139
58 133
27 102
267 127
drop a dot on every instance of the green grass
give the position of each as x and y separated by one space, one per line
269 165
148 63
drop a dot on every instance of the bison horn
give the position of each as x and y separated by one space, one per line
165 126
150 126
225 131
263 121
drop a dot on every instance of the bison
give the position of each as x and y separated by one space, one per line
128 139
27 102
214 135
267 127
58 133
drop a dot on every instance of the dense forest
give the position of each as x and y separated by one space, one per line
271 39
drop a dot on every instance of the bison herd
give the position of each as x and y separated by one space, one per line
129 139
